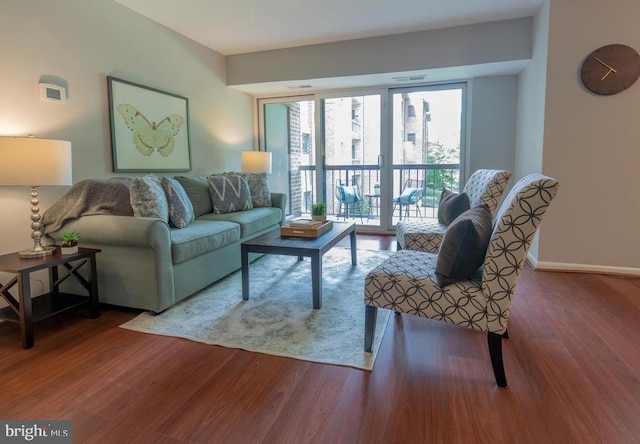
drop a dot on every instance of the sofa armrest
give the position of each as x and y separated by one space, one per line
279 200
118 230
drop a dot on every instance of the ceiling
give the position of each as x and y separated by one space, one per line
244 26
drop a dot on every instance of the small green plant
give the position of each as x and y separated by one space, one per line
318 209
70 238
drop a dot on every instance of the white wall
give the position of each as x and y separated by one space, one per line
590 143
531 113
81 42
484 43
492 133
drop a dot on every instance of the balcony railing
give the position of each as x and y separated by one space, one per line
433 177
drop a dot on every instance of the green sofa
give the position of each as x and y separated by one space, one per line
147 264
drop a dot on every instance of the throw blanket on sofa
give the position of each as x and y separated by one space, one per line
90 197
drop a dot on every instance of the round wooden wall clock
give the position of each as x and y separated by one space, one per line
610 69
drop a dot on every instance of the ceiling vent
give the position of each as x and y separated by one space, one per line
409 78
299 86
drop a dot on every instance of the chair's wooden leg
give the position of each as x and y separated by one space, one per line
370 317
495 351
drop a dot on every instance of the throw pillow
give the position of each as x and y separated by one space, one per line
464 246
197 188
451 206
229 193
408 195
148 198
348 194
180 207
259 189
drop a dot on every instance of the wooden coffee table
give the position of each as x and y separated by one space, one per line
273 243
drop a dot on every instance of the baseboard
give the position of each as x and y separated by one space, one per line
581 268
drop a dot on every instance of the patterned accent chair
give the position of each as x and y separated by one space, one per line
483 187
406 282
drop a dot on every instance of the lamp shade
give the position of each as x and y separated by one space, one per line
256 162
33 162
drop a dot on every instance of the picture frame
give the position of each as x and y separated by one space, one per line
149 128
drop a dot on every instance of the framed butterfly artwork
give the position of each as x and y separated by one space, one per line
149 128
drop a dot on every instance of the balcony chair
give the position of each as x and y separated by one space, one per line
468 283
483 187
349 195
412 192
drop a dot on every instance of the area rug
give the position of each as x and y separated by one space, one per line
278 319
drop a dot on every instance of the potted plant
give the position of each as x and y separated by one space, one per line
69 243
319 211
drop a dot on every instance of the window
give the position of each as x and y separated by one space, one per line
306 143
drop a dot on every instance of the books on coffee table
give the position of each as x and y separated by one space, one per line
305 223
305 228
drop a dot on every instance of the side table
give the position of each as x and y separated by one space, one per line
27 310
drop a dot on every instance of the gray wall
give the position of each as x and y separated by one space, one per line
590 143
531 112
485 43
492 123
81 42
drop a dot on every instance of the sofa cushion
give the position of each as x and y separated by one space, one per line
259 189
250 222
202 236
197 188
451 206
180 208
148 198
229 193
464 246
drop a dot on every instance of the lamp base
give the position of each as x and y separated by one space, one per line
31 254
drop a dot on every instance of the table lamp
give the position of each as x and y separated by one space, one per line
29 161
256 162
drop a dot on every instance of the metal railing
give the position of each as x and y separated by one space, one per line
433 177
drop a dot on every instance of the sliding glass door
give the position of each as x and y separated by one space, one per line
351 134
287 129
393 150
427 136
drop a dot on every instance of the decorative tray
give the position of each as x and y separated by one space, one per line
305 228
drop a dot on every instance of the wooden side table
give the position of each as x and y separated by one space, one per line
26 310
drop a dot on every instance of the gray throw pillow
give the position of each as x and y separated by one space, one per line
148 198
180 207
464 246
259 189
451 206
229 193
197 188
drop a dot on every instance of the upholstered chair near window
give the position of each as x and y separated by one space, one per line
469 283
484 187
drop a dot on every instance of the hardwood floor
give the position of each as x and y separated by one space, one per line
572 363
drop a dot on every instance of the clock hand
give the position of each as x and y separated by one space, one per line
608 72
597 59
